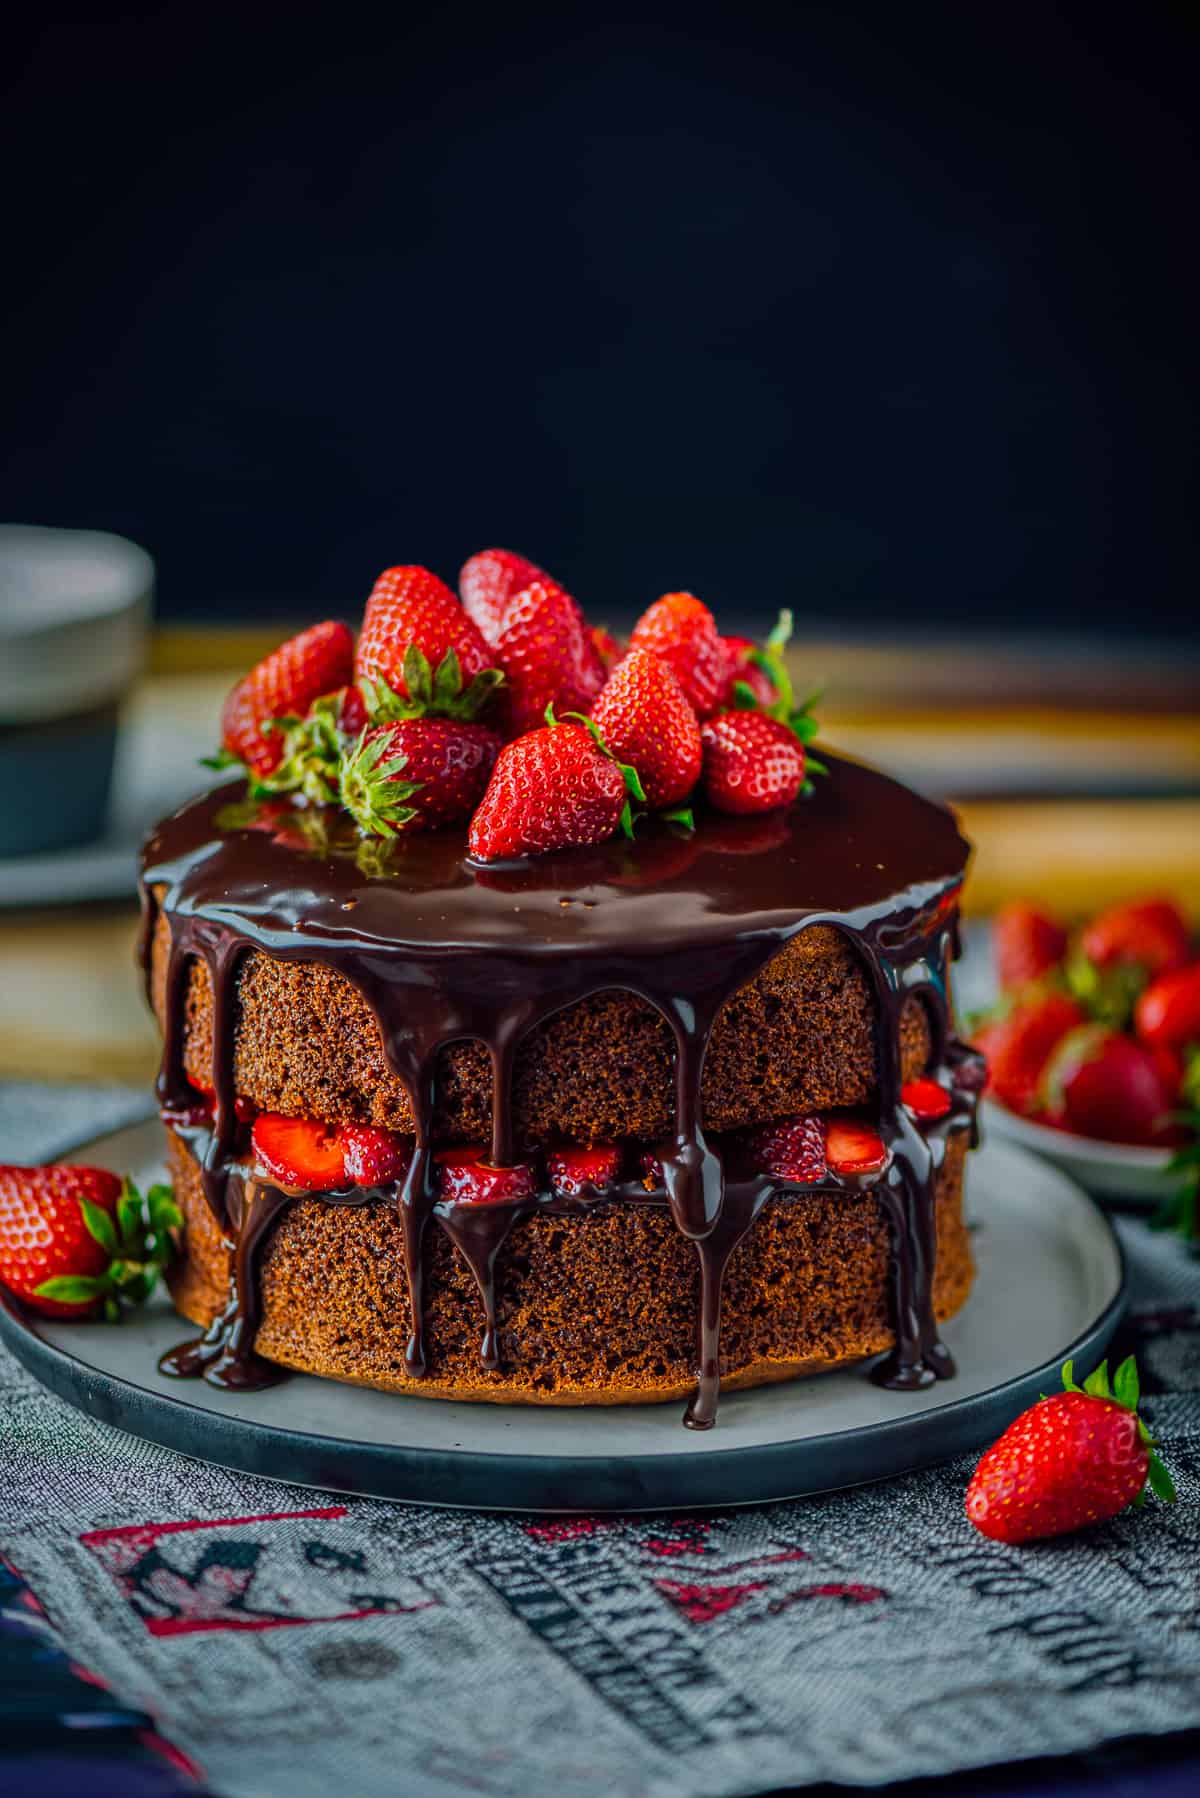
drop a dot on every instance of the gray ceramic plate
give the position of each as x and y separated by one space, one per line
1050 1284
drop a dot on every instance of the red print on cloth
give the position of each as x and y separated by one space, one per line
274 1571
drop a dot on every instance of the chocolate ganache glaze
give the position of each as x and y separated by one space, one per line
442 949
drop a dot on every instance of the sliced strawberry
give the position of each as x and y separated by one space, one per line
928 1100
318 661
852 1147
466 1178
791 1149
1168 1012
573 1171
1151 933
680 629
373 1157
1025 944
298 1152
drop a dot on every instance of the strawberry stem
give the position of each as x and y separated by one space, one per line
138 1238
371 789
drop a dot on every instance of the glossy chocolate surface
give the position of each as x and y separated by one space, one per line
442 949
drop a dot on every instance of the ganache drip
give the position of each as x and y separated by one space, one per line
442 951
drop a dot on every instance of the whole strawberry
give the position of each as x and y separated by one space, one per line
419 643
742 655
75 1239
1026 944
553 788
1168 1013
645 719
489 581
1152 934
1071 1460
681 631
1019 1046
417 774
318 661
752 763
791 1149
548 657
1100 1083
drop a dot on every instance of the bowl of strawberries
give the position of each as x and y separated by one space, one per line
1093 1047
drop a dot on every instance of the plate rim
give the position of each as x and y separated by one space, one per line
547 1484
1043 1139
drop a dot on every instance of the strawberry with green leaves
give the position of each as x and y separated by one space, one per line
416 774
419 653
1019 1044
554 788
284 685
1072 1460
75 1241
752 763
1148 934
645 718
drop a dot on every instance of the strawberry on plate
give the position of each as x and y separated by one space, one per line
418 651
752 763
681 631
285 684
645 719
548 657
554 788
1167 1015
1102 1084
1019 1046
488 582
1152 934
1074 1459
417 774
75 1240
1026 944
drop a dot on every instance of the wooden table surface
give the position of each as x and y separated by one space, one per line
71 1004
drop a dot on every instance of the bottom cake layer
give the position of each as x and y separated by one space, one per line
592 1309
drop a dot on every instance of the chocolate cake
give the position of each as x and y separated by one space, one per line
667 996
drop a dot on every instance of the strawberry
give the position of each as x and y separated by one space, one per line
318 661
681 631
606 646
547 655
575 1171
373 1157
1106 1086
927 1100
752 763
644 719
792 1149
418 652
1076 1458
465 1177
740 654
489 581
554 788
417 774
854 1148
1019 1046
1025 944
1151 933
73 1239
298 1152
1168 1013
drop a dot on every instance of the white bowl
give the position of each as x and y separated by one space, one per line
1109 1169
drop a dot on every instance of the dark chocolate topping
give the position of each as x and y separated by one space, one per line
442 949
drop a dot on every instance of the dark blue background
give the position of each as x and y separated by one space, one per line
887 312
